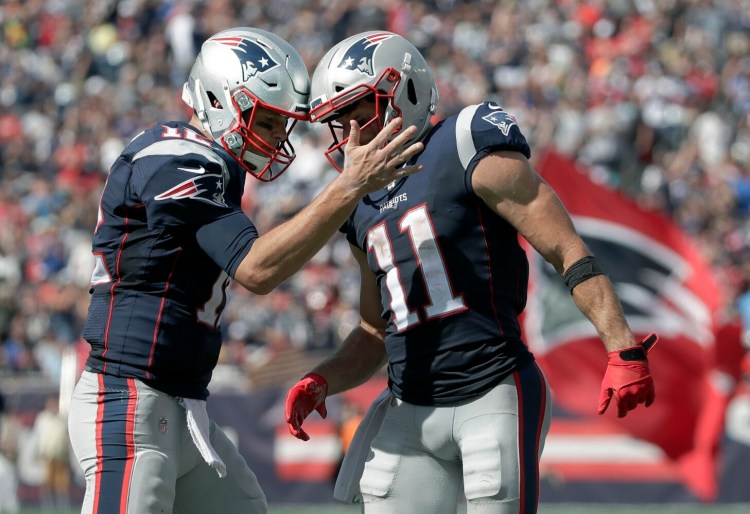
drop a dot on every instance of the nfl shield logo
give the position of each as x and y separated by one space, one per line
163 425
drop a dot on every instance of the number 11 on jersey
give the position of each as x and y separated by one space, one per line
418 225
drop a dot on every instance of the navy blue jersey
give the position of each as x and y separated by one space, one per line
170 233
452 274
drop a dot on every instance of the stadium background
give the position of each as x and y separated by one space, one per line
650 97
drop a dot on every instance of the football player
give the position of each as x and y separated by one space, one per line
443 281
169 237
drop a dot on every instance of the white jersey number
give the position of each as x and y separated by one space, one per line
210 313
418 226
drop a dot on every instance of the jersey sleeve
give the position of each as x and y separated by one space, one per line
350 231
184 190
227 240
181 190
485 128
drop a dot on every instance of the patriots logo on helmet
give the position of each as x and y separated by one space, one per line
359 55
253 57
207 188
501 120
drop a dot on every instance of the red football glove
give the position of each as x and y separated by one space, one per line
628 378
305 396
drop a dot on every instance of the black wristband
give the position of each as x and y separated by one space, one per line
636 353
581 271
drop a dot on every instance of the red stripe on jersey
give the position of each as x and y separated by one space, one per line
540 425
526 501
155 338
130 445
489 272
521 445
112 292
99 450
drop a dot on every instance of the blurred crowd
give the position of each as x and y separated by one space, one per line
652 95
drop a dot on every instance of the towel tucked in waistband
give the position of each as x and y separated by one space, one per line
347 482
198 425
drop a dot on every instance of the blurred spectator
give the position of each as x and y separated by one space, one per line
8 487
51 433
653 95
8 476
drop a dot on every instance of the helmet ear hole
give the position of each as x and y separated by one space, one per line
215 103
411 92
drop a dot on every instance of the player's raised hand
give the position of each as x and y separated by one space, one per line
305 396
628 378
376 164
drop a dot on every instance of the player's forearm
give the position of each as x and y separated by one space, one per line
360 356
280 253
597 300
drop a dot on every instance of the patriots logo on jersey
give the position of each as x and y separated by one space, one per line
253 57
206 188
501 120
359 55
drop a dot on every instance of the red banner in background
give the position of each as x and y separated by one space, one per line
315 461
665 287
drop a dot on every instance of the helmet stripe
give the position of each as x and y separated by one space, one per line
233 42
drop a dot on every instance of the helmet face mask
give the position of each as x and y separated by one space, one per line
376 63
254 154
238 73
383 108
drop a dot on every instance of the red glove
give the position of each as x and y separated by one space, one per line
305 396
628 378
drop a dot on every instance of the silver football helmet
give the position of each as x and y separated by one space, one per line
380 63
239 70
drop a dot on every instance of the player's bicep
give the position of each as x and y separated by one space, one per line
509 185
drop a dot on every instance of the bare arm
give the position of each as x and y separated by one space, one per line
509 185
280 253
361 355
363 351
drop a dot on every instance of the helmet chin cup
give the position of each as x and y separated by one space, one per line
257 165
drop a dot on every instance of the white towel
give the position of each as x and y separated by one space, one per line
198 425
347 482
